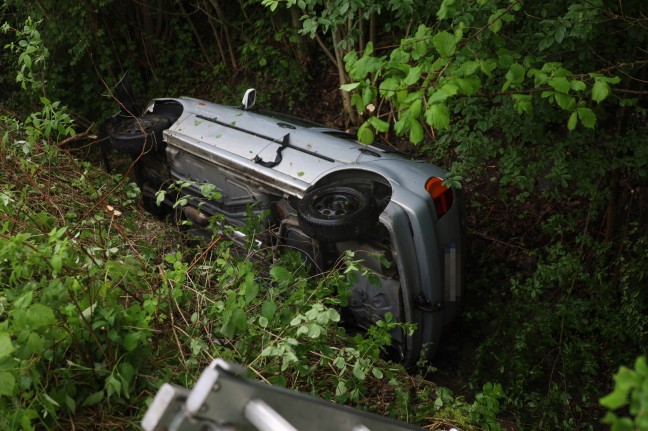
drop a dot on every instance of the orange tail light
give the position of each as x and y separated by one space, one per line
442 196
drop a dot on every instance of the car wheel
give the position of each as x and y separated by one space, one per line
337 213
135 135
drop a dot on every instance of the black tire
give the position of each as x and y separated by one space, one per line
136 135
337 213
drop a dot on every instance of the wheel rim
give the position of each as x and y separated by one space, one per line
336 204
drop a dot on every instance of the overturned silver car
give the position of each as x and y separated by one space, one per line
321 191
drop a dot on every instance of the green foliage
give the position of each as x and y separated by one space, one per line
31 51
631 390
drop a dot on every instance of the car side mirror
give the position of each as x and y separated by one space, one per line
249 99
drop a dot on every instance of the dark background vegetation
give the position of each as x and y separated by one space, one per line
546 104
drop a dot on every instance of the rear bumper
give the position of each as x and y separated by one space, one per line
429 256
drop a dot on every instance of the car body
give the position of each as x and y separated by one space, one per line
322 192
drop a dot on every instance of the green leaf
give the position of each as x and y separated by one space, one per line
378 124
36 316
438 116
414 111
587 117
445 43
349 87
413 76
641 366
314 330
487 67
388 87
250 287
469 85
448 9
578 85
365 134
573 120
131 340
401 126
263 321
600 91
209 191
268 309
34 344
443 93
159 197
560 84
6 346
368 95
468 68
416 131
496 22
515 74
7 383
522 103
614 400
279 273
93 399
332 315
239 319
565 101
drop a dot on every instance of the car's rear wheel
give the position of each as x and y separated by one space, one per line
337 213
136 135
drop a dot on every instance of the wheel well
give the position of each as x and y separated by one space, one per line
170 109
378 185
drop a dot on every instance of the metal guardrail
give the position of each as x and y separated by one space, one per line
224 400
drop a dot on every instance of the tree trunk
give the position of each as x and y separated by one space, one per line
343 77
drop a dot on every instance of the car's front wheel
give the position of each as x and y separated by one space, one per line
337 212
136 135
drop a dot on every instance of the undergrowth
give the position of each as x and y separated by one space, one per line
100 305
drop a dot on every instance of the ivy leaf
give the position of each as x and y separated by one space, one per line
438 116
587 117
600 91
445 43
